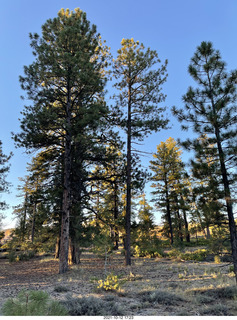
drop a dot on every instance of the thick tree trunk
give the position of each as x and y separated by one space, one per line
128 182
66 207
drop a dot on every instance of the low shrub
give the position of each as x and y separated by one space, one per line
111 283
214 310
33 303
140 251
91 306
204 298
61 288
162 297
198 255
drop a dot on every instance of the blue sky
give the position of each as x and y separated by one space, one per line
173 28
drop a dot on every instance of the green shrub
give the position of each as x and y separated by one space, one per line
231 268
151 252
33 303
162 297
91 306
198 255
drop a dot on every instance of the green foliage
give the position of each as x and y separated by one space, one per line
33 303
91 306
111 283
220 240
197 255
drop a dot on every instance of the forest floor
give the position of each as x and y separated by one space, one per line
151 287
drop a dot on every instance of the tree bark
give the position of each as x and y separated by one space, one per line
128 182
228 199
33 224
168 212
66 207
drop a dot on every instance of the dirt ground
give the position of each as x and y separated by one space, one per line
146 276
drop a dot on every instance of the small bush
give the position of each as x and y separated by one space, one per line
162 297
33 303
215 310
60 288
91 306
198 255
111 283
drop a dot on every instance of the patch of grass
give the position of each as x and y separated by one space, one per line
91 306
215 310
161 297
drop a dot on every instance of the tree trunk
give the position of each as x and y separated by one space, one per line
74 255
57 248
187 234
232 226
66 207
128 182
116 234
168 212
33 224
208 235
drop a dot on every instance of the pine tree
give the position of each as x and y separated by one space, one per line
140 83
65 84
168 183
211 109
207 181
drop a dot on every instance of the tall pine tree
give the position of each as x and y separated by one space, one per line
65 84
139 80
211 109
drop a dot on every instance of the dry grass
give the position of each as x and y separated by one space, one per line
151 287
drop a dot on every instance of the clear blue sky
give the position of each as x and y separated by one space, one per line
173 28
